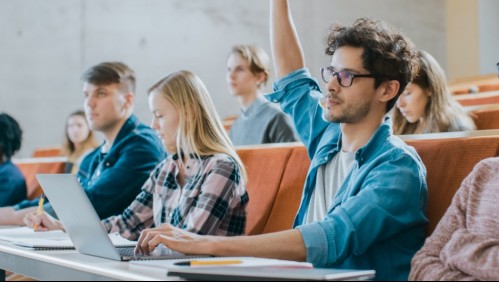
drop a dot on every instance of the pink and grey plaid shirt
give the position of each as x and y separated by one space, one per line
212 201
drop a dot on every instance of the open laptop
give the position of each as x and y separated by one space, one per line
89 236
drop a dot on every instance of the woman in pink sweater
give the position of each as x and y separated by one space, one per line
465 244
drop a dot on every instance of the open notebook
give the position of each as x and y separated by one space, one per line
50 240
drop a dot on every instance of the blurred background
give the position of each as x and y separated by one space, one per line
45 46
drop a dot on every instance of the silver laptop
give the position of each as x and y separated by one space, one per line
79 218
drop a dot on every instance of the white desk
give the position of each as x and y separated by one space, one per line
71 265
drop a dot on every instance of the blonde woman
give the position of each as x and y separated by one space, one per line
79 139
427 106
248 70
200 186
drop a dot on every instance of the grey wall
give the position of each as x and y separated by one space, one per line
46 45
488 23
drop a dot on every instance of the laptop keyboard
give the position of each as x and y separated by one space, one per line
126 252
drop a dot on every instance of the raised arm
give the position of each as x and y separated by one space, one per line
286 49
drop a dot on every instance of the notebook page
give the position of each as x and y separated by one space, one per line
245 262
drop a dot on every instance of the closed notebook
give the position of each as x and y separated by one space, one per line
224 273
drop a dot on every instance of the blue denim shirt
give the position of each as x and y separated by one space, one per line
113 180
377 220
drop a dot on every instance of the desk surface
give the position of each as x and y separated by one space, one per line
71 265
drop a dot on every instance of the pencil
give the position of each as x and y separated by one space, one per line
207 262
40 208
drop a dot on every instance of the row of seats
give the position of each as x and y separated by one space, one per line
476 84
277 174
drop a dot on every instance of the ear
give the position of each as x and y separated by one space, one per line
260 78
129 100
389 90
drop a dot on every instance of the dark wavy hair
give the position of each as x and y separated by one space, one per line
10 136
388 54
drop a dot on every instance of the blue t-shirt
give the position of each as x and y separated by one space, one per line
377 218
12 185
113 180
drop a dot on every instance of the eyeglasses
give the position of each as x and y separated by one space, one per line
345 78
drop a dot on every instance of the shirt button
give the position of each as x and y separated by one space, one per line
325 159
107 164
274 100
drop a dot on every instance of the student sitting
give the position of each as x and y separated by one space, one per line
112 174
465 244
248 70
200 187
12 182
79 139
365 196
427 106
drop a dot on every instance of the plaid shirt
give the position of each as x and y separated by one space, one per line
212 201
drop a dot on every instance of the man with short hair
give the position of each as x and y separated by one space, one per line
113 174
365 196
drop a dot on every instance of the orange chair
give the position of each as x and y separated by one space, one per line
489 87
265 168
47 152
33 166
484 98
290 191
487 117
448 162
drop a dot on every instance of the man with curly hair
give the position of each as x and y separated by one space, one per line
365 195
12 182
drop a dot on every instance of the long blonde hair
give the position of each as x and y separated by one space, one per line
442 113
69 149
200 130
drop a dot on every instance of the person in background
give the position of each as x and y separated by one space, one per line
112 175
12 182
200 186
248 70
465 244
427 106
365 196
79 139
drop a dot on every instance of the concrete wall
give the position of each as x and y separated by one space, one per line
46 45
488 23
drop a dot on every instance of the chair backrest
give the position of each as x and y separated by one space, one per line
290 192
489 87
31 167
265 168
47 152
486 117
484 98
448 162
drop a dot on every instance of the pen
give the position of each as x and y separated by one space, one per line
40 208
207 262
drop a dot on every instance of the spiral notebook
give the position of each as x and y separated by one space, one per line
50 240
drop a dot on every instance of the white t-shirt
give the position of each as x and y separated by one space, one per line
330 177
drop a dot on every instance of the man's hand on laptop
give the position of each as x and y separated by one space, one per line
42 222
